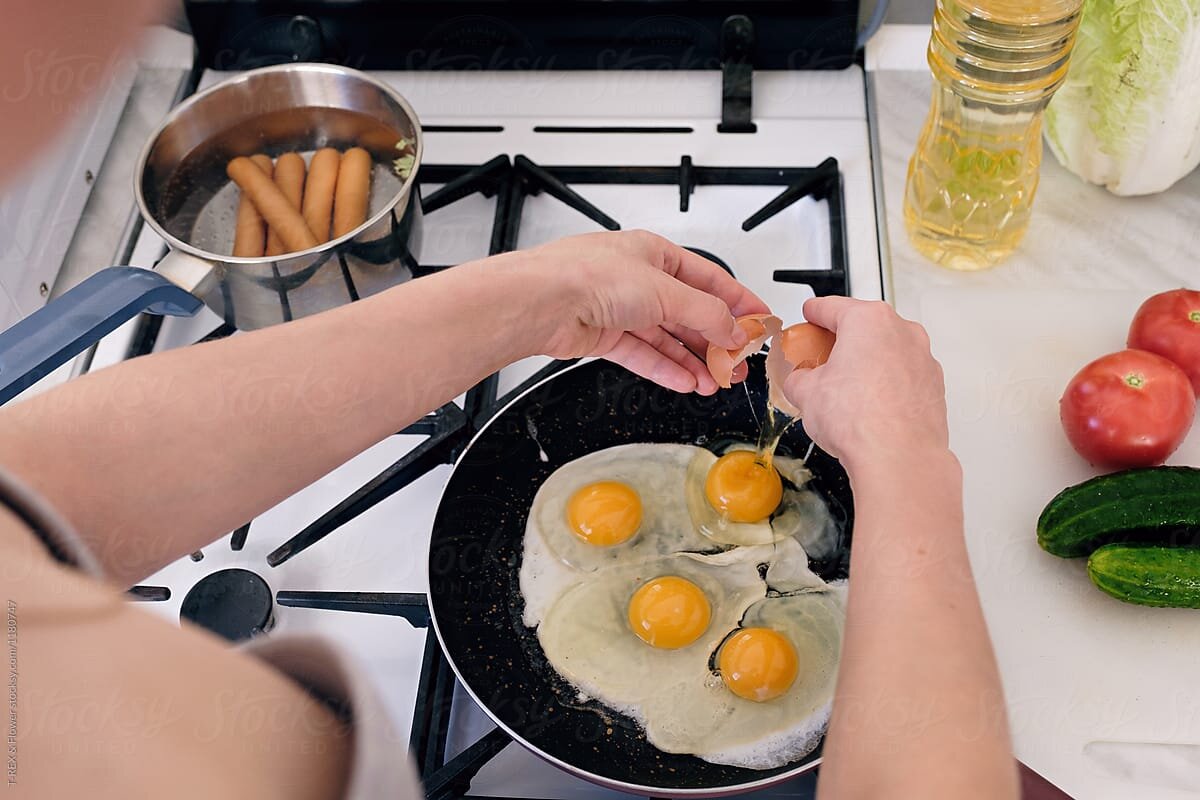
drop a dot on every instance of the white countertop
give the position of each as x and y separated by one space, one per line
1081 671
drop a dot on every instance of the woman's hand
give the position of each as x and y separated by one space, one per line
914 631
648 304
880 394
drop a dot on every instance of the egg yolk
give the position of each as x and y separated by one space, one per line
758 664
604 513
743 488
669 612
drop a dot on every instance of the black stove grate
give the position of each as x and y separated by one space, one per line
449 428
822 182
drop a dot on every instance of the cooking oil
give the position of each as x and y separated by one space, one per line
973 176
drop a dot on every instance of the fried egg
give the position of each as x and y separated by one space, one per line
789 722
694 698
588 493
734 500
786 565
720 649
583 518
588 637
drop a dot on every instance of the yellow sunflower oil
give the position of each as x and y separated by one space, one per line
972 178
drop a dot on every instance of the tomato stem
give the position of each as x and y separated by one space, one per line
1135 380
1194 316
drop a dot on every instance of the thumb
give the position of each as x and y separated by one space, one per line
798 387
829 311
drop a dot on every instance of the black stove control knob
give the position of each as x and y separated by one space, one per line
737 71
272 39
305 36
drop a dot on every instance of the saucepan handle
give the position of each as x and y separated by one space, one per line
69 324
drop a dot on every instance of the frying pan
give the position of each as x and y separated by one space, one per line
475 559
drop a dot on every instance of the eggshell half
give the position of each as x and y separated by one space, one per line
721 362
800 346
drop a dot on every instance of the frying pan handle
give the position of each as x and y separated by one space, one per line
68 325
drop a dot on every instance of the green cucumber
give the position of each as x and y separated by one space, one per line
1160 505
1147 574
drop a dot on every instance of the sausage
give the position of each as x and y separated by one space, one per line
264 163
289 177
318 191
272 204
353 191
249 234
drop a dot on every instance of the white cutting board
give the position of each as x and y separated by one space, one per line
1078 666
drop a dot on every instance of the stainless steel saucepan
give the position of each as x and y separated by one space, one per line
185 196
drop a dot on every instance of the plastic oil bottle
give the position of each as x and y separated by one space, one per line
971 181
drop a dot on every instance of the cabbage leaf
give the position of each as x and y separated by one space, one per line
1128 114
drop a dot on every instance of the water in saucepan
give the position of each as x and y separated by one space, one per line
198 203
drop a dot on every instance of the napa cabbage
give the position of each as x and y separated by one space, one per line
1128 114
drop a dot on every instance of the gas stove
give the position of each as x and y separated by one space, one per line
514 159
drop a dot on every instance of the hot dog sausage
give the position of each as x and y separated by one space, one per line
353 191
289 177
272 204
250 233
318 191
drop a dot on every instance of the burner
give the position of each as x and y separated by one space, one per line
705 254
233 603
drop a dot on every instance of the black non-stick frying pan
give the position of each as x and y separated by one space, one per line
475 558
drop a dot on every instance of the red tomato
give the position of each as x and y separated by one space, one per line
1127 409
1169 324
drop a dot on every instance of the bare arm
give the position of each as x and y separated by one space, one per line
919 710
158 456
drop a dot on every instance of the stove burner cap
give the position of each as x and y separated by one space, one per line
233 603
712 258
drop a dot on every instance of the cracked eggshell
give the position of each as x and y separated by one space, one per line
800 346
721 362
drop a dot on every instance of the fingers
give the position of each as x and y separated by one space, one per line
698 345
706 276
797 386
642 359
694 308
692 340
669 346
831 311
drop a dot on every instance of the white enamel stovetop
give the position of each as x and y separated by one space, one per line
802 118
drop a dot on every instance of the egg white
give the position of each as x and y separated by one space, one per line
765 735
802 513
675 695
577 596
587 638
554 557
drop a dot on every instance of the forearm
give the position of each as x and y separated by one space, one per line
156 457
919 709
